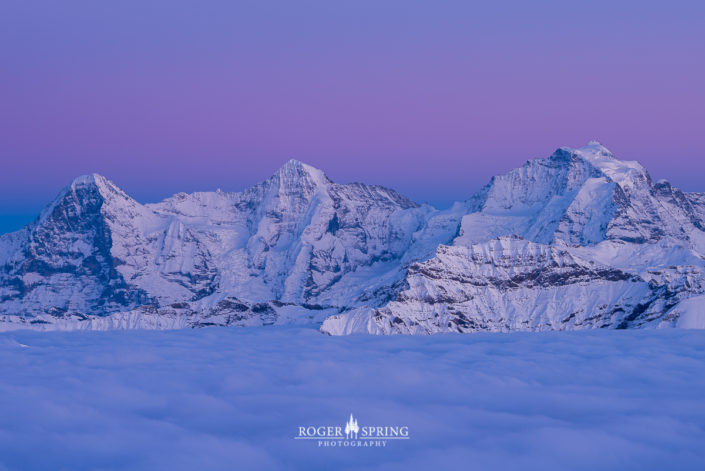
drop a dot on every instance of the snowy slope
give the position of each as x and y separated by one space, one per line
297 238
578 240
574 241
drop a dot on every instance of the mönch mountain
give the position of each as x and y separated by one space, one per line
575 241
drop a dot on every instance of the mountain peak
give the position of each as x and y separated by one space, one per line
295 172
84 191
91 179
96 182
293 165
626 173
595 150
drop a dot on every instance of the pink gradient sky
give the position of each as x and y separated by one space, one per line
429 98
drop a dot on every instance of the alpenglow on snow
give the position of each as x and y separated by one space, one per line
576 241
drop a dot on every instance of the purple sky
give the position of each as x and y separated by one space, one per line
429 98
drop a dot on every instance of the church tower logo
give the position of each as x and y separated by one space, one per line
351 428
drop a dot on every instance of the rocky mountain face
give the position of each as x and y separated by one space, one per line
297 239
577 240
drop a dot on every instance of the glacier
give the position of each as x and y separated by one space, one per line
578 240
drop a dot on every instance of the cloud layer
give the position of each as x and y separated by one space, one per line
231 399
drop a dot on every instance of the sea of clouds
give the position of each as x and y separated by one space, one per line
234 399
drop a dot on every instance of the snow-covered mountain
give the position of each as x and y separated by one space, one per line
297 239
577 240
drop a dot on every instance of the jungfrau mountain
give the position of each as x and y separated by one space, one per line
578 240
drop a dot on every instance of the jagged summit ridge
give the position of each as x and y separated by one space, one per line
579 196
576 240
295 238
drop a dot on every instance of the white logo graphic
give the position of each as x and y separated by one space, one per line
351 428
353 435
